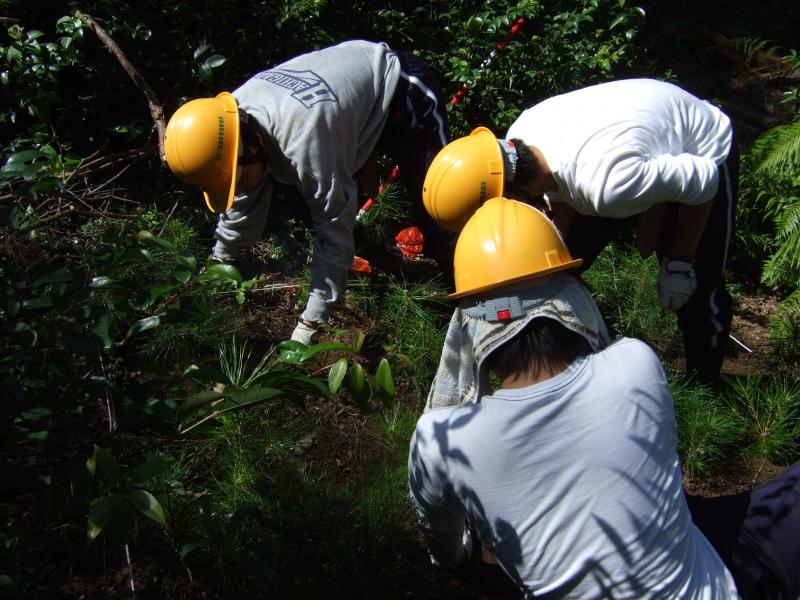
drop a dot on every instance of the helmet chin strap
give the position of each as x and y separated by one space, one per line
510 158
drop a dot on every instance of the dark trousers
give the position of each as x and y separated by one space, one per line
757 535
414 133
705 319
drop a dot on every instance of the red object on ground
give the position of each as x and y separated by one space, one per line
360 265
410 241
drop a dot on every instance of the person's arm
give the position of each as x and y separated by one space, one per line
439 518
333 210
243 224
563 215
677 280
692 221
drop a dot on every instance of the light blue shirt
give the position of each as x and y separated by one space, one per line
573 484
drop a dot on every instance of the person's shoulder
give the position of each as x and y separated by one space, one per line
360 46
445 417
633 354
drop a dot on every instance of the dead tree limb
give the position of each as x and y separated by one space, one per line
156 110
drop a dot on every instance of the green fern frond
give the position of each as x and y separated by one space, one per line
787 222
777 152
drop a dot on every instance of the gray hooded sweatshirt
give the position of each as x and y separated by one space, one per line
322 114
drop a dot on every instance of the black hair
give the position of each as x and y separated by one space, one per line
526 164
543 345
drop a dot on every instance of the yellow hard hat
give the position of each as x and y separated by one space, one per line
465 173
201 147
504 242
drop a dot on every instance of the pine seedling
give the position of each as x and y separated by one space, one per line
624 286
234 359
784 330
415 317
769 412
707 428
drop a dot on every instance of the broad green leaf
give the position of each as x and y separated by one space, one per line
251 396
39 303
108 464
356 384
293 380
336 375
292 352
102 328
139 254
156 292
146 503
221 271
143 325
197 401
24 335
187 260
385 381
25 156
617 21
146 237
201 49
358 340
99 516
181 274
121 523
61 274
82 485
155 465
311 384
309 351
215 61
11 303
109 283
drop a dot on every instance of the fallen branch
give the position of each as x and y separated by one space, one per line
156 110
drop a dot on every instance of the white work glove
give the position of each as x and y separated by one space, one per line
306 334
676 282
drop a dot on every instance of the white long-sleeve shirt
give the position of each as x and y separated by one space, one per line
322 114
618 148
573 484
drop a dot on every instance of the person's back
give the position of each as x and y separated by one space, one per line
574 483
598 141
323 112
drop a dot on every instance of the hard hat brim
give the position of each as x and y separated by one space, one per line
575 263
221 199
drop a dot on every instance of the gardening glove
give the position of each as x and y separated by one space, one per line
306 333
676 282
